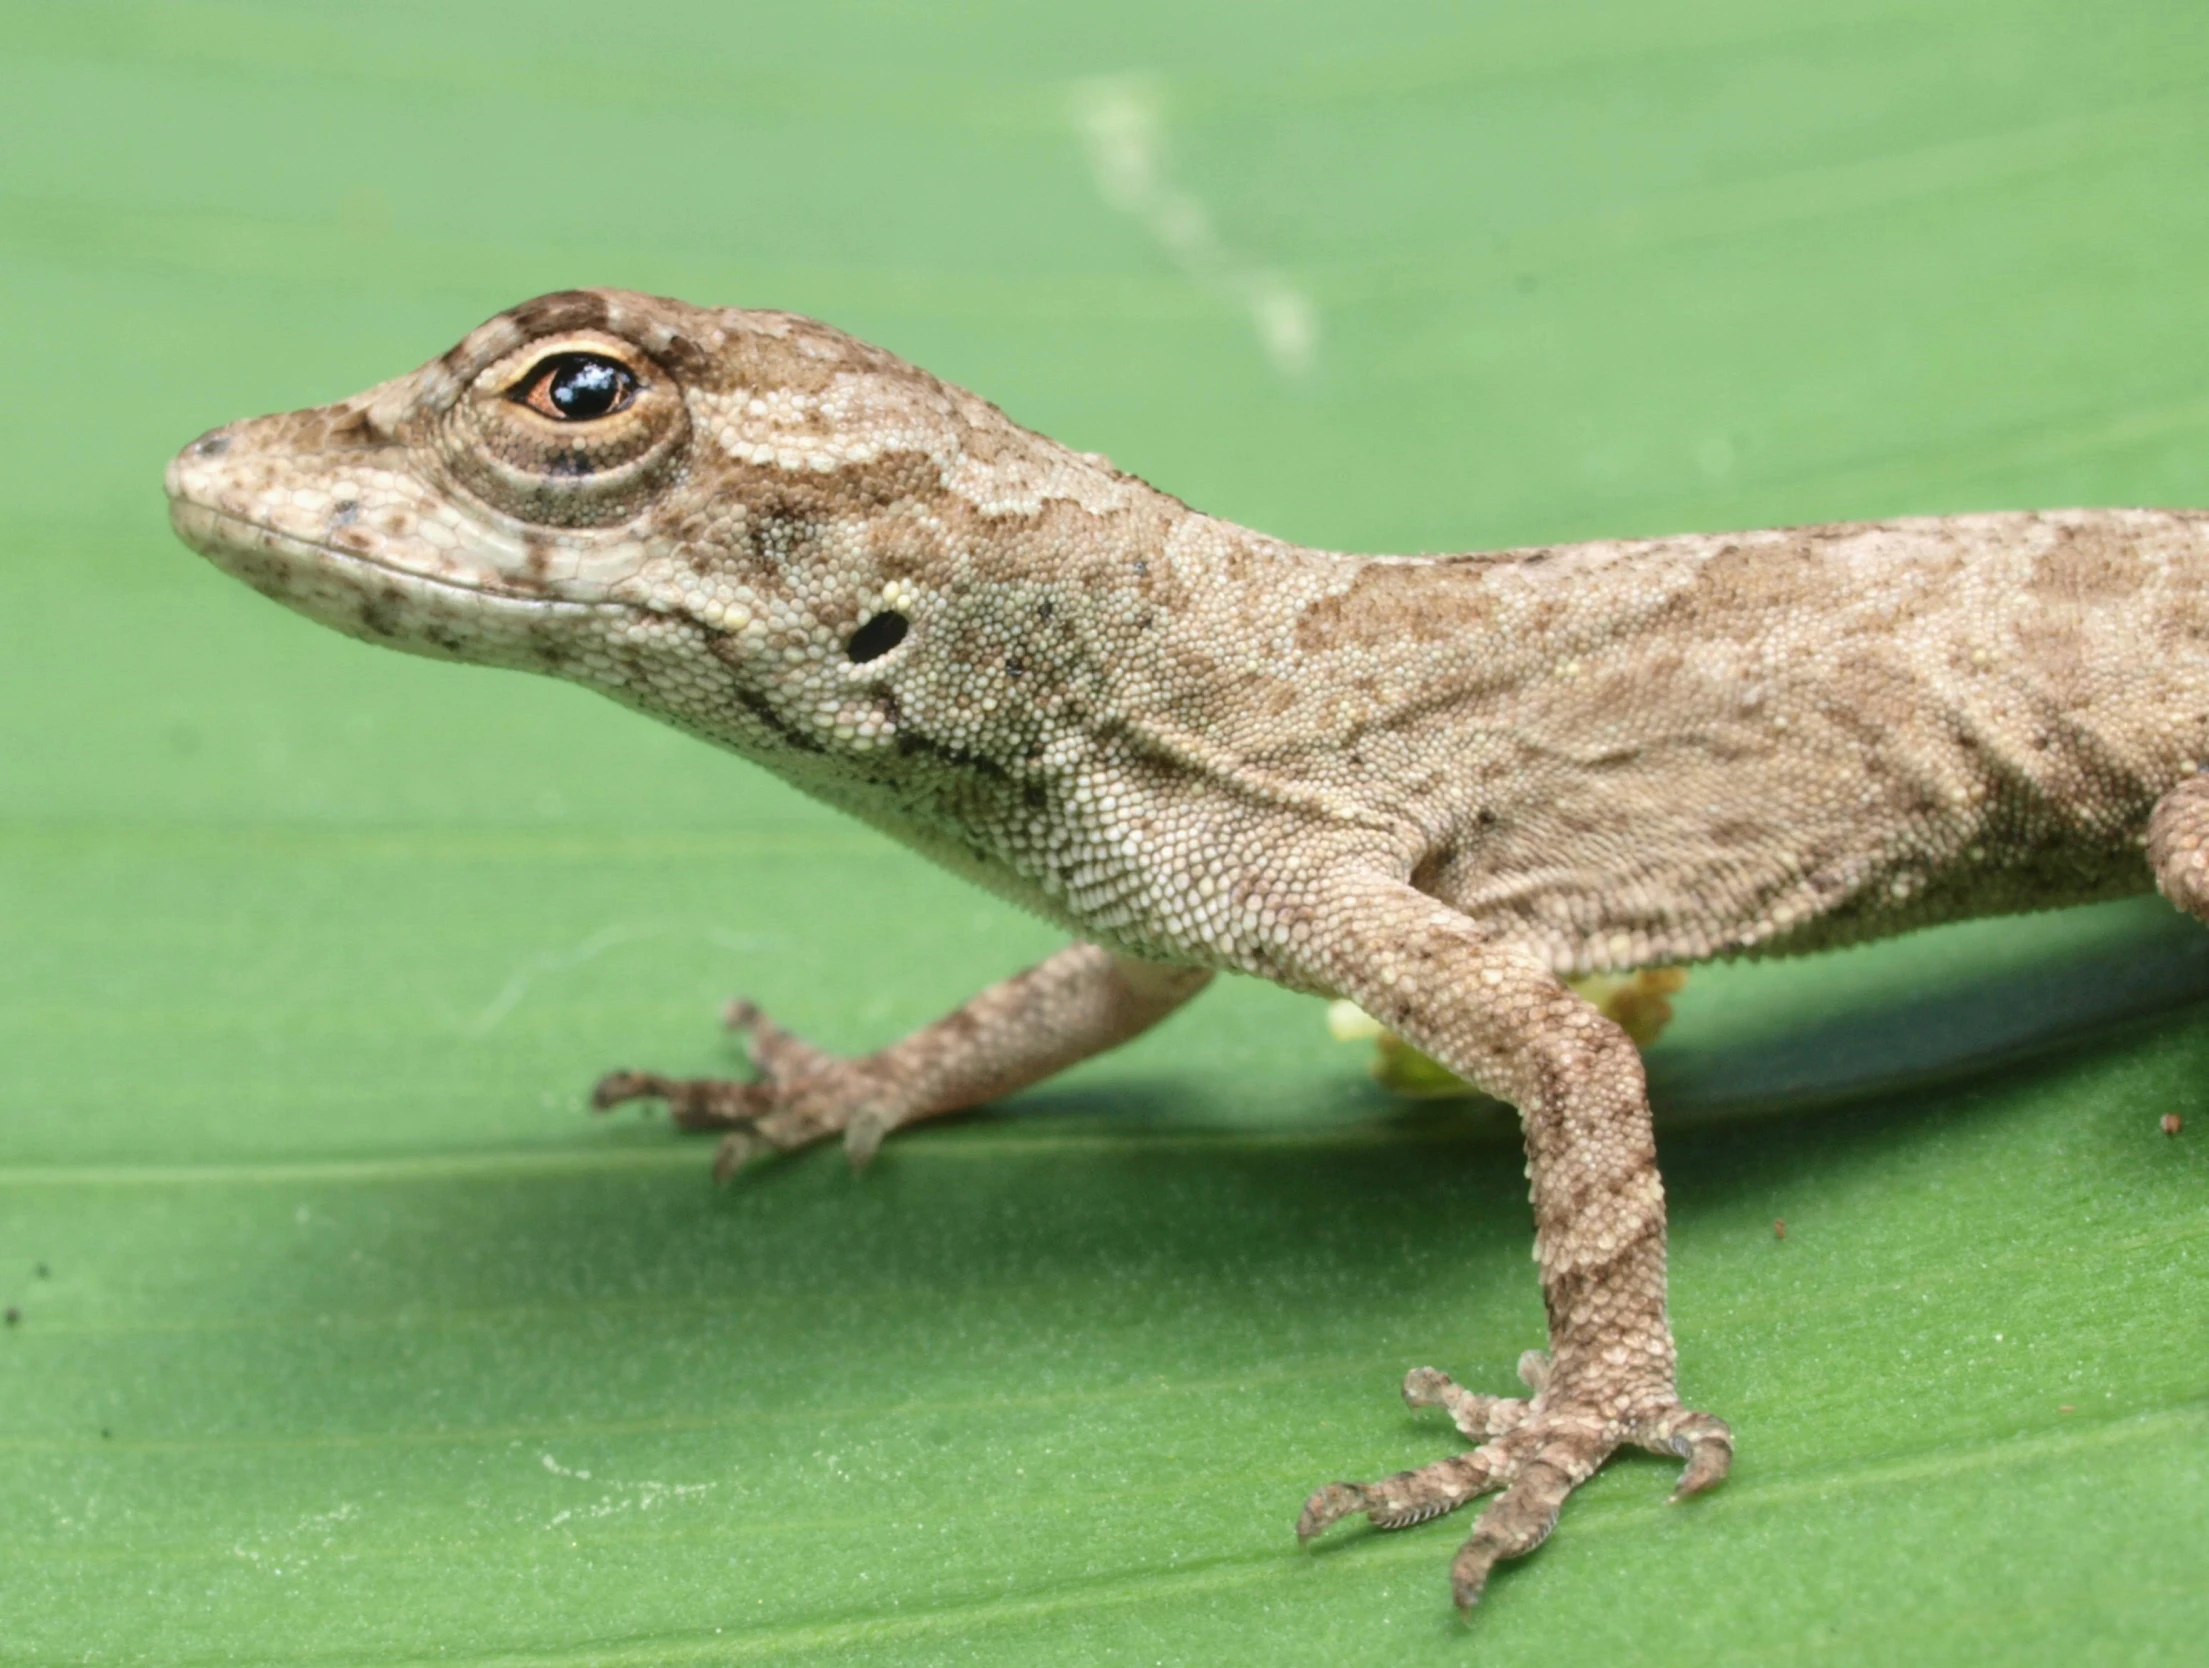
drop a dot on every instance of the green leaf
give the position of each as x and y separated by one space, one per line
346 1336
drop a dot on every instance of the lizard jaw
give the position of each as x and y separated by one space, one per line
445 617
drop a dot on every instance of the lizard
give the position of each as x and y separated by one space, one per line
1434 786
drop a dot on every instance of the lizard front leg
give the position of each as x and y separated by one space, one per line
1079 1002
1502 1020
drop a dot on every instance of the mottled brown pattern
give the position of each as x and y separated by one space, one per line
1397 602
1431 785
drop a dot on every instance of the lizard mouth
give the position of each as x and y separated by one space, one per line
244 547
449 616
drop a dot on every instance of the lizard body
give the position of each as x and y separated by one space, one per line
1432 785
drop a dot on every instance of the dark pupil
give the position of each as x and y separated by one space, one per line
584 386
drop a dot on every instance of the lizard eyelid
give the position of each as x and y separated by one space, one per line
576 387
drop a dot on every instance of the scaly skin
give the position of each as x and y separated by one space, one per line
1431 785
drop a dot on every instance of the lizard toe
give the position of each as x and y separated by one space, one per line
732 1153
863 1135
617 1087
1704 1441
1405 1499
612 1089
1478 1417
773 1051
692 1102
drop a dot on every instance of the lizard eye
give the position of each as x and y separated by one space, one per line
574 430
576 387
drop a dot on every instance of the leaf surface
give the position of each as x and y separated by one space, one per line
346 1337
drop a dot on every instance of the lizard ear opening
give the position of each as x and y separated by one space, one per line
877 637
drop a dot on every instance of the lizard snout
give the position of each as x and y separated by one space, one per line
209 446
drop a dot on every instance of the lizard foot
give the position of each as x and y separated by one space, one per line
1535 1449
800 1095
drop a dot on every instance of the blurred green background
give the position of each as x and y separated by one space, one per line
346 1337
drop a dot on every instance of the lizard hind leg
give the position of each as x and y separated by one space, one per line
1497 1015
2178 845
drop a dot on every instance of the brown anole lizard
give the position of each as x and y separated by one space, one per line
1434 786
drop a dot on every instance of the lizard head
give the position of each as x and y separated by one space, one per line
745 522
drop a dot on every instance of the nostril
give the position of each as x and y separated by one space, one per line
211 445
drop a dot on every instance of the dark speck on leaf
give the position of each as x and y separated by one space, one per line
11 1315
43 1272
